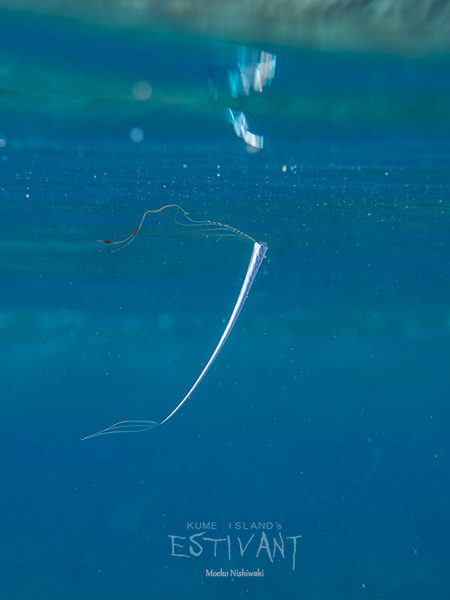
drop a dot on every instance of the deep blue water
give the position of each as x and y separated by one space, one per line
327 411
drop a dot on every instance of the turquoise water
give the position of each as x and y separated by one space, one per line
327 411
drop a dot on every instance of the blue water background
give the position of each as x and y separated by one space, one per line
327 411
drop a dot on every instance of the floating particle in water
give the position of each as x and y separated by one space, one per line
136 134
142 91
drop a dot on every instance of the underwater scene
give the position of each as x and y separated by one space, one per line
225 300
